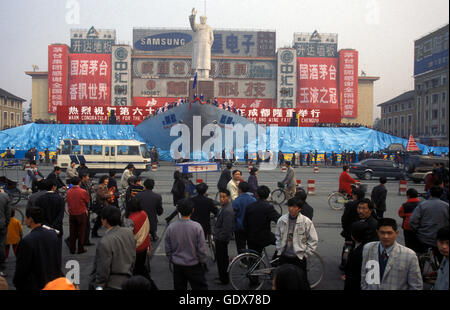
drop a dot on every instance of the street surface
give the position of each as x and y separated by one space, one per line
326 221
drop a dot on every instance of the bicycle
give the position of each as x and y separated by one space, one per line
338 199
429 266
250 270
210 238
279 194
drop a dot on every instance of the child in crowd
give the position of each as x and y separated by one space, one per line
14 234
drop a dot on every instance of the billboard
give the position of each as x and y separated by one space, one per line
121 76
315 44
147 41
317 83
250 89
287 75
431 53
283 116
348 83
57 76
89 79
164 87
220 68
84 41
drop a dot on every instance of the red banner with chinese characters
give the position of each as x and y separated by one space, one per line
283 116
348 82
96 114
154 102
89 79
57 76
317 83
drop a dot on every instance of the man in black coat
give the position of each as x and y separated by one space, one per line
378 197
52 207
354 261
350 214
306 209
37 261
225 177
258 216
55 175
151 203
203 207
366 214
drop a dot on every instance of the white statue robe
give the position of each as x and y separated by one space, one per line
202 43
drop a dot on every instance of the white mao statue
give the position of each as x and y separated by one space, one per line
202 43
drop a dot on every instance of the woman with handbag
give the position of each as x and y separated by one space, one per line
141 231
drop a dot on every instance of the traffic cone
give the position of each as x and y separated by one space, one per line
199 181
154 166
316 169
250 166
311 187
299 182
402 187
283 168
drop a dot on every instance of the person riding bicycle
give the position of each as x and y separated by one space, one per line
289 181
203 208
346 181
295 235
32 177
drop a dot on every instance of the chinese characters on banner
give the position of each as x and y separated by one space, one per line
95 114
89 79
121 76
317 83
348 86
283 116
157 102
287 75
57 76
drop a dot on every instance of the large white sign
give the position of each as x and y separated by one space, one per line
121 76
287 78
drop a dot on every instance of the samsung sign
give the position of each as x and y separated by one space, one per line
163 41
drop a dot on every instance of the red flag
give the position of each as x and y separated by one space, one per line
412 146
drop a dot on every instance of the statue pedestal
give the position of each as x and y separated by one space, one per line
204 86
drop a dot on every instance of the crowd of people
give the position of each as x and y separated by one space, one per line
128 210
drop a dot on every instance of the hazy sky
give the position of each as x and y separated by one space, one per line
383 31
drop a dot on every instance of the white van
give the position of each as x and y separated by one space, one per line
101 156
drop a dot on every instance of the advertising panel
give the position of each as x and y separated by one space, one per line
220 68
226 42
57 76
176 88
348 83
121 76
251 89
84 41
283 116
317 83
431 53
315 44
287 75
89 79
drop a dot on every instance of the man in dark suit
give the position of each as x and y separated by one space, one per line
52 206
353 265
306 209
55 175
203 207
151 203
258 216
38 261
225 177
378 197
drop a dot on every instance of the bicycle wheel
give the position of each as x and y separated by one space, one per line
212 247
336 201
19 215
278 196
277 206
15 196
428 270
315 268
248 271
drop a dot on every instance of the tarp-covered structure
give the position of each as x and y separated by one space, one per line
290 139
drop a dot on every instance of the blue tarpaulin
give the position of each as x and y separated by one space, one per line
290 139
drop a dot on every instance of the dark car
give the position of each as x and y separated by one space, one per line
417 167
368 168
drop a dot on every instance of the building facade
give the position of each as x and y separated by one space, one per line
398 115
10 110
431 88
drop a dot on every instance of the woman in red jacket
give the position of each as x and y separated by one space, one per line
346 181
141 232
405 213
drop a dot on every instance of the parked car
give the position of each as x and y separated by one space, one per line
370 168
417 167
